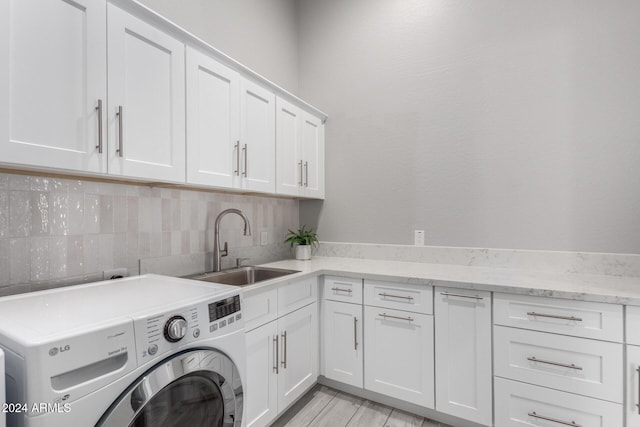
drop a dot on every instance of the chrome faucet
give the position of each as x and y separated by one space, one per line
217 253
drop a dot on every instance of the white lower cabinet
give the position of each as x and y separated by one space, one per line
399 354
521 404
633 385
342 342
261 395
463 354
282 363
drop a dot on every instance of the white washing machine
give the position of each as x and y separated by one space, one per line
148 351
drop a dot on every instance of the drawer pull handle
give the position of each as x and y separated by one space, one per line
448 294
385 315
638 404
554 420
554 316
385 295
341 290
564 365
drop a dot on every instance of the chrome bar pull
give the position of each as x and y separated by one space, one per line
306 174
554 316
554 420
548 362
448 294
244 149
276 349
300 164
355 333
385 315
119 150
99 113
284 351
385 295
236 147
638 404
341 290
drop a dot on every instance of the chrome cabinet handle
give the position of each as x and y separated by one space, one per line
554 420
119 150
236 147
385 315
385 295
244 149
300 164
554 316
548 362
638 404
276 349
355 333
341 290
284 352
448 294
306 174
99 113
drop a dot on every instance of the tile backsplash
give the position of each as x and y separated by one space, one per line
55 232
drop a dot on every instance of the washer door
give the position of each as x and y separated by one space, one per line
194 388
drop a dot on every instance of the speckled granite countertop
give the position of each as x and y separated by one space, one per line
585 287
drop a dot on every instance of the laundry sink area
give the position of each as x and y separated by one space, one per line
245 275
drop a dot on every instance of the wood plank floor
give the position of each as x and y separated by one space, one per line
326 407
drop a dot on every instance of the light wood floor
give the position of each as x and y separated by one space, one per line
326 407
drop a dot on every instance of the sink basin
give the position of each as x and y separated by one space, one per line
242 276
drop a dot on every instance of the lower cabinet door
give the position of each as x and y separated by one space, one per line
399 354
519 404
261 393
463 354
633 386
342 342
298 364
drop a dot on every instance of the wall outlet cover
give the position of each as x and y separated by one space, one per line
263 238
418 237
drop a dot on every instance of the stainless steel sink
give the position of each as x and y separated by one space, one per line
242 276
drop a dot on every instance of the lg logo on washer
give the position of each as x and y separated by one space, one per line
56 350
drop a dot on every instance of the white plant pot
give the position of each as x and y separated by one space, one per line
303 252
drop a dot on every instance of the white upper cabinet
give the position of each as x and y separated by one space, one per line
53 76
299 151
146 109
213 122
257 137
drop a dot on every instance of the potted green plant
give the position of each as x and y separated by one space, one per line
303 240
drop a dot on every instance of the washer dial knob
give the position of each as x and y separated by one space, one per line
175 329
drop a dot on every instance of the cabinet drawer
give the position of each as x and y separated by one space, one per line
528 405
296 295
633 325
560 316
260 309
575 365
416 298
344 289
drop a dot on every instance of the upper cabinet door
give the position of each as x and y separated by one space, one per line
257 137
52 78
289 164
213 122
146 110
312 142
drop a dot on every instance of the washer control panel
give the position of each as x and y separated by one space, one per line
169 331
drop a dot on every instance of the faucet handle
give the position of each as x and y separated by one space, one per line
239 261
225 250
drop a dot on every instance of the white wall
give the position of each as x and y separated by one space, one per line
261 34
501 123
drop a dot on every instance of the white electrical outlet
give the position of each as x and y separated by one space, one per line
418 237
263 238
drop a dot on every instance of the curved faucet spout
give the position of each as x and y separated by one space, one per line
217 252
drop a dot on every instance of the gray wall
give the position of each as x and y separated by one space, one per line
261 34
505 124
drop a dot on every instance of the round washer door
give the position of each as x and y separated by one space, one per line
194 388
